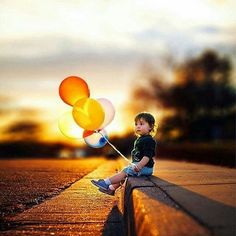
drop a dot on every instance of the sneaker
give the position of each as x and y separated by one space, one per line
107 191
100 183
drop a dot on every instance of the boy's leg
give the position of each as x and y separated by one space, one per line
114 186
117 178
111 190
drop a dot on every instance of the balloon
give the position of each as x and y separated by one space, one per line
72 89
109 111
88 113
68 126
94 139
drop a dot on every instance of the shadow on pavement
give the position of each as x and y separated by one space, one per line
114 224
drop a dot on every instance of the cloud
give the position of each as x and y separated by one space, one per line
50 28
4 99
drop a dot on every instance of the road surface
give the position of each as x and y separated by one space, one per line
55 197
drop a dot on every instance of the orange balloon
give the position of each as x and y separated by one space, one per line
72 89
88 113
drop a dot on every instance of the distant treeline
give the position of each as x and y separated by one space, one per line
211 153
217 153
27 149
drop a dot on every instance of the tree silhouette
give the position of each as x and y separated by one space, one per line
24 130
201 99
24 140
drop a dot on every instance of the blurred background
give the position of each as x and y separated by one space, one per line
175 59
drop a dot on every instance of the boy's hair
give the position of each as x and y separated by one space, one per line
149 118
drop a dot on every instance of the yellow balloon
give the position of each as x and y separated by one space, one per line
88 113
69 127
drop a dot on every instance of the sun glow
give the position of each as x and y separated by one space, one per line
104 42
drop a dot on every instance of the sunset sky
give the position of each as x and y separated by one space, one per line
104 42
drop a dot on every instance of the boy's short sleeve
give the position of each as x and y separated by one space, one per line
149 147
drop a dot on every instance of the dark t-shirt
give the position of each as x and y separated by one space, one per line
144 146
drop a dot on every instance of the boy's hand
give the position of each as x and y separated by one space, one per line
135 168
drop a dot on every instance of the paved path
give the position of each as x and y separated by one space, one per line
184 197
207 192
28 182
79 210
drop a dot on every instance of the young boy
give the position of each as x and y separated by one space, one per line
142 155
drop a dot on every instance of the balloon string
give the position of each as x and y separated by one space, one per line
113 147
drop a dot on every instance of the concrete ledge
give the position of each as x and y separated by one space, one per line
148 210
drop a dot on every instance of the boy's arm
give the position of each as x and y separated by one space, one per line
141 164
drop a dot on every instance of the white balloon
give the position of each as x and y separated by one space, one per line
109 111
95 139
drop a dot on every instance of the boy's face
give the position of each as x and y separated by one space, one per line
142 127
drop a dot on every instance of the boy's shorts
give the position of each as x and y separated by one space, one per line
145 171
